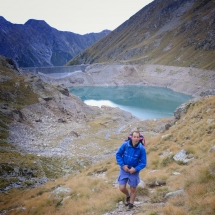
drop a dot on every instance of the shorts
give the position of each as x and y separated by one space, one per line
125 177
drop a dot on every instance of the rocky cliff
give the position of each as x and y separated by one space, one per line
174 33
37 44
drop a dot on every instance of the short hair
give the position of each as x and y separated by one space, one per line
135 132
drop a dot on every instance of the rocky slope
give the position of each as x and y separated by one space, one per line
175 33
46 132
36 44
44 129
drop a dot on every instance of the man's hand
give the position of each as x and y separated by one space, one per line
125 167
132 170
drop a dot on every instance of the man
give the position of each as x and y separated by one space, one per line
131 157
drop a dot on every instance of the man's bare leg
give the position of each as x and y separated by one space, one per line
132 194
123 189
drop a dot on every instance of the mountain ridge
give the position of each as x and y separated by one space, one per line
178 33
36 43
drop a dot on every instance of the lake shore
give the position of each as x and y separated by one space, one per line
144 102
187 80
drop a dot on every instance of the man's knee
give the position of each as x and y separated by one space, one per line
133 189
122 187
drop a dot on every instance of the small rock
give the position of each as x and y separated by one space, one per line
175 193
212 149
209 121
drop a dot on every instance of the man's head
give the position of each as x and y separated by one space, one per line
135 137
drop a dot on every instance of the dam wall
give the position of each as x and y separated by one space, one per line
56 69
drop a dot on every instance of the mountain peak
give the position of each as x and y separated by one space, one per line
38 24
3 20
36 43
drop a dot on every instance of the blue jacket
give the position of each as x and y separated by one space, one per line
131 156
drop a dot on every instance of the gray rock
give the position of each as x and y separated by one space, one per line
182 109
210 92
182 156
175 193
142 184
209 121
60 191
212 149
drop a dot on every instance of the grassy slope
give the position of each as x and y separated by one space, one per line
16 93
179 39
194 132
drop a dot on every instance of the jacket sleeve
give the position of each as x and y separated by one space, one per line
119 155
143 159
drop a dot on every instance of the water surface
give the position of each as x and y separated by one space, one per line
142 102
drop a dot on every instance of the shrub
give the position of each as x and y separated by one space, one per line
167 161
142 191
159 195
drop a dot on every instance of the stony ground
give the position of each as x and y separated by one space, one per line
61 123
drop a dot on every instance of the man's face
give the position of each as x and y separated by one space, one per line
135 138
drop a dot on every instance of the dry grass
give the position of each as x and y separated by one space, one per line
128 43
16 93
92 190
195 133
89 193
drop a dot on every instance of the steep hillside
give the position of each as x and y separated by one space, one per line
37 44
179 177
176 33
57 155
46 132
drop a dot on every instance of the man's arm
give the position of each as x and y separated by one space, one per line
119 155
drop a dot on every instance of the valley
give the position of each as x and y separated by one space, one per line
52 141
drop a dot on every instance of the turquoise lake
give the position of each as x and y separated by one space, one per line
142 102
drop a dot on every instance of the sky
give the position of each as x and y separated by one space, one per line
77 16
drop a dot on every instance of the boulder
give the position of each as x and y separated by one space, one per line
182 109
182 156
